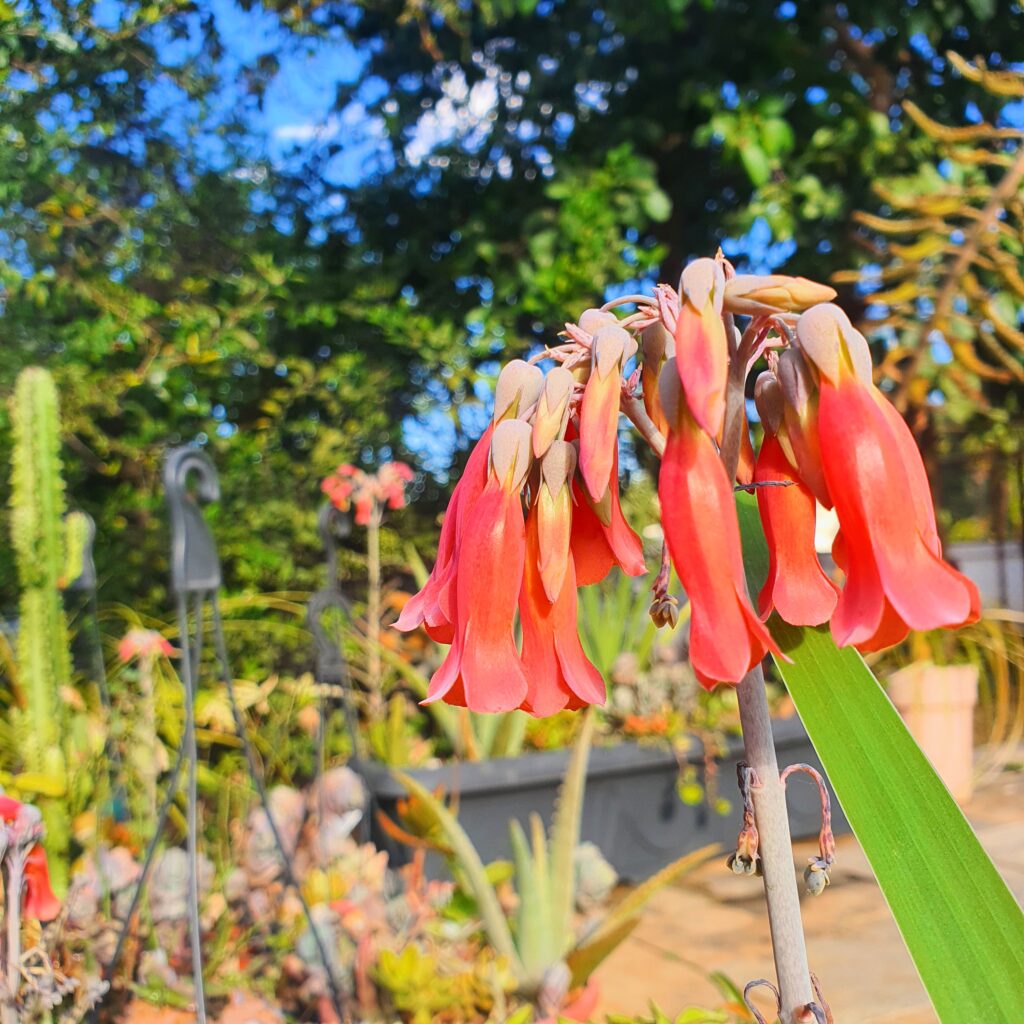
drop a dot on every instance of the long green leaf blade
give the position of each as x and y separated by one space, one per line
565 835
493 917
960 922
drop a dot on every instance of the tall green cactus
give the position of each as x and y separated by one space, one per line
38 533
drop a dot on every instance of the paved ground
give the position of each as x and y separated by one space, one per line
714 921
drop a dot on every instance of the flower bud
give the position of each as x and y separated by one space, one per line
591 320
769 401
769 293
703 281
518 388
558 465
552 409
656 344
613 347
796 381
511 453
670 392
833 344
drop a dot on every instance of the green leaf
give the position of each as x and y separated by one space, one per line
565 835
755 163
530 937
657 205
495 923
960 922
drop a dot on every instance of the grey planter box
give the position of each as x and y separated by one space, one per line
631 811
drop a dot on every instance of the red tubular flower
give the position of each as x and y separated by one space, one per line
797 586
599 410
431 607
698 513
656 345
601 538
896 578
553 513
39 901
482 670
702 349
559 674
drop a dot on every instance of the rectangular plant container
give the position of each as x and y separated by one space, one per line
632 810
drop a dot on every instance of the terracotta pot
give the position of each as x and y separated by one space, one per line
937 703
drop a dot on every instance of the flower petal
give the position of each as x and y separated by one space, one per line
699 516
872 490
559 673
797 586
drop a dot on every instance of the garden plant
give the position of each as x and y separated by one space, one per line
537 514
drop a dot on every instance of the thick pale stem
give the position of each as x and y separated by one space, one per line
780 886
373 602
15 883
770 813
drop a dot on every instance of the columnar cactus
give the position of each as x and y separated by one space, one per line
39 537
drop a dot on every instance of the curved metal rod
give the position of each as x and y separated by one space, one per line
333 525
195 567
256 775
192 651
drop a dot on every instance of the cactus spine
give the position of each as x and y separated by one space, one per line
38 536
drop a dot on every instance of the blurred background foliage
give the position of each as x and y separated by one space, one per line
479 173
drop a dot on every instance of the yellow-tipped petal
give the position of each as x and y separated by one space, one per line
519 386
552 409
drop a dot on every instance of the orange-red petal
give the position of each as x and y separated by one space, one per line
797 586
698 513
559 674
889 554
482 670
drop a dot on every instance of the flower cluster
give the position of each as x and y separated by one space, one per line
144 643
536 513
22 832
350 486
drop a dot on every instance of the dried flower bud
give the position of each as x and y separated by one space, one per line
703 281
831 342
816 877
552 409
519 386
511 452
664 611
769 401
769 293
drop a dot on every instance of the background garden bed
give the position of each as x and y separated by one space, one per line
632 810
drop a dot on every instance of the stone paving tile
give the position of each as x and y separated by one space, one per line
712 920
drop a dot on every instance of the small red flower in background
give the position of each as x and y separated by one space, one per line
537 512
144 643
39 902
348 487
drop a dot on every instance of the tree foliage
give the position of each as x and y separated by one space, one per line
516 160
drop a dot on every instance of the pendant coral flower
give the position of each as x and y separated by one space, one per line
483 670
698 512
896 579
797 586
551 455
